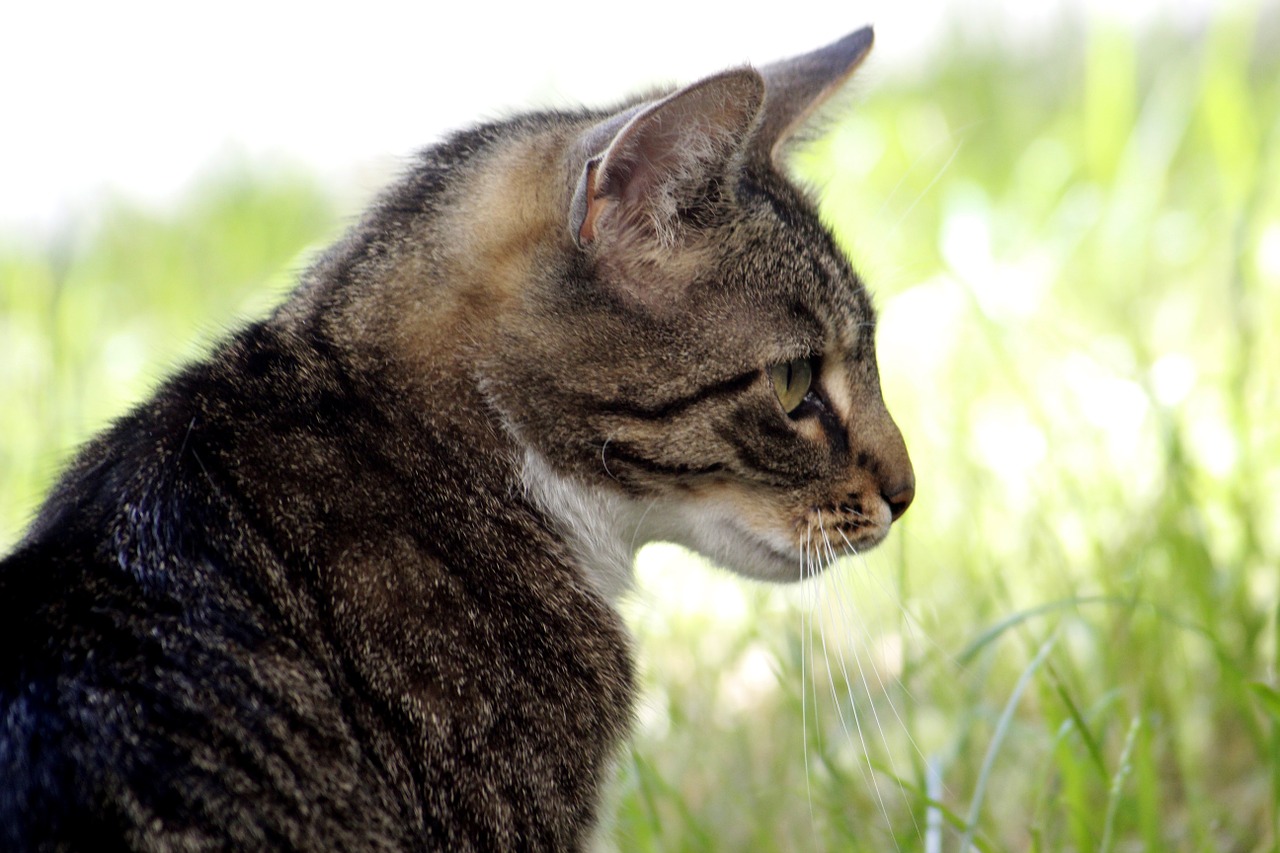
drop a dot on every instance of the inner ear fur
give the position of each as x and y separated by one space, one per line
644 164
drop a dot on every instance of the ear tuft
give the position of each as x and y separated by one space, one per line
649 163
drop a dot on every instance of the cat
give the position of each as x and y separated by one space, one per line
349 582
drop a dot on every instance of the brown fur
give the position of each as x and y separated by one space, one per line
348 582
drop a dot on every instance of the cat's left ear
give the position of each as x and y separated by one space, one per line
796 88
648 164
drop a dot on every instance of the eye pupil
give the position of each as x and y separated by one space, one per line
791 382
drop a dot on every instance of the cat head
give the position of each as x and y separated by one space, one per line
695 351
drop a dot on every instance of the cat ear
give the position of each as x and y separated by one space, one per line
648 164
796 88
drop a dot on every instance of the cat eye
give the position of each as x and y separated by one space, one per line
791 381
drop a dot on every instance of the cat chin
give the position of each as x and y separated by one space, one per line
749 535
768 556
606 529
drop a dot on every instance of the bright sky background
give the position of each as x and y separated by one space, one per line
141 97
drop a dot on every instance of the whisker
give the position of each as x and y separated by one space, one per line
959 134
852 511
804 716
908 619
845 610
605 462
853 705
635 534
941 171
827 658
815 566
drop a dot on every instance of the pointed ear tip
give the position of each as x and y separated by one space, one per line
861 40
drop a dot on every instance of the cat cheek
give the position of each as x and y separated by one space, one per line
811 430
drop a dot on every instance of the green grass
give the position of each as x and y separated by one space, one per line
1070 641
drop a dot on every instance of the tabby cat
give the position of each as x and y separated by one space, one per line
349 582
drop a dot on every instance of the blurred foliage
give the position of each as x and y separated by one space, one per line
93 317
1069 643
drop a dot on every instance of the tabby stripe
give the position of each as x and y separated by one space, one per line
794 212
750 458
663 411
802 312
627 455
836 433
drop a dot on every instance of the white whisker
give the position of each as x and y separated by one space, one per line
605 462
804 715
827 659
635 534
941 171
959 132
883 688
853 705
908 619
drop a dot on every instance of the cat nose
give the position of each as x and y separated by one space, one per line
899 498
892 468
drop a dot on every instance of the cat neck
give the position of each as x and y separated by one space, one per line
424 280
423 294
601 528
605 529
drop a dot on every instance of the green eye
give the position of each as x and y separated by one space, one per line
791 381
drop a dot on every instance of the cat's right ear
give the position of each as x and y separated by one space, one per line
647 164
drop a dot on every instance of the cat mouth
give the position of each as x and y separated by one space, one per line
845 537
755 540
808 554
824 544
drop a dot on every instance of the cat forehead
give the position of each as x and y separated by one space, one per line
786 258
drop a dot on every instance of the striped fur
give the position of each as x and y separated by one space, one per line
348 582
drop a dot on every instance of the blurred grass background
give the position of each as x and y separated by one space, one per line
1069 643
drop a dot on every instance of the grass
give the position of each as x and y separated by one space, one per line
1070 641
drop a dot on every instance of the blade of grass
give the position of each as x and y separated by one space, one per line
1117 786
997 739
